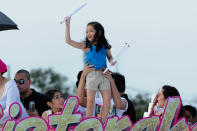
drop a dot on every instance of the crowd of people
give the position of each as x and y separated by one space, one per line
114 100
18 90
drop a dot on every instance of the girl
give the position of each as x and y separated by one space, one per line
55 101
96 49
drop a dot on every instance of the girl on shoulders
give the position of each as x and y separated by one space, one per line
96 49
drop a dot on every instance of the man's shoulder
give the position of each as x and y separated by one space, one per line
36 94
127 99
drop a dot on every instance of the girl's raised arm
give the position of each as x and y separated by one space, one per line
79 45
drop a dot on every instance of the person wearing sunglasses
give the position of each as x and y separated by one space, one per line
9 94
29 96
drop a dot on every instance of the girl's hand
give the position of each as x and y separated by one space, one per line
67 20
87 69
112 62
155 100
154 104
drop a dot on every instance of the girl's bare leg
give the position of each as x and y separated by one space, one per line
90 102
106 95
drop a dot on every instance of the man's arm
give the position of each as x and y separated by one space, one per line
120 103
81 87
81 90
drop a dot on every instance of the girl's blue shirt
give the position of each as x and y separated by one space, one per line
97 58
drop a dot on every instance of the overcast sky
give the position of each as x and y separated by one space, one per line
162 35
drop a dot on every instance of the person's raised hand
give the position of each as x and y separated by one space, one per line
107 74
88 68
67 18
32 113
112 62
155 101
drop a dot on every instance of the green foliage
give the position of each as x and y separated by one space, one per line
46 79
141 102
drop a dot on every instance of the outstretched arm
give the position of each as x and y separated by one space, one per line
79 45
120 103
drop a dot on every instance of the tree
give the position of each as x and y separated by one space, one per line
46 79
141 102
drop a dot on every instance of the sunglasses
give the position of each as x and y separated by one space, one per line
21 81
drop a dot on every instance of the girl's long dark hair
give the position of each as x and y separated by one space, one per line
99 37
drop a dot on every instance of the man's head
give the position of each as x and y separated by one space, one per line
23 81
78 78
190 113
119 81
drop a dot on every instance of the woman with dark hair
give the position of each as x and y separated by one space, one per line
9 94
161 100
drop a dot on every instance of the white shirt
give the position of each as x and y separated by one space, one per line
9 96
112 110
98 108
82 110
